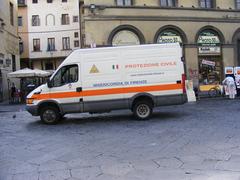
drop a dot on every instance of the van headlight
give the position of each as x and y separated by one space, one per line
29 100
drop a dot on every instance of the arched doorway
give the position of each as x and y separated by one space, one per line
236 42
172 34
125 35
209 42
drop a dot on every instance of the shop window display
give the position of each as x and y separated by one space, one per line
210 59
210 70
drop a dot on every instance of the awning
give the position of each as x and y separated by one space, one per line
26 72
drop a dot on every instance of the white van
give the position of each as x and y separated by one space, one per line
103 79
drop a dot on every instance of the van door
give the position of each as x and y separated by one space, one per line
66 88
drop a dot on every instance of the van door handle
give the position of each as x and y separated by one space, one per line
79 89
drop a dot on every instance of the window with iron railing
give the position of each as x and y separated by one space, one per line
51 44
66 43
65 19
206 3
21 47
20 21
76 43
237 4
124 2
75 18
36 44
168 3
21 2
35 20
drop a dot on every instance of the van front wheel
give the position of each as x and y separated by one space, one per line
142 110
50 115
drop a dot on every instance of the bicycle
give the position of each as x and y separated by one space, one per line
216 91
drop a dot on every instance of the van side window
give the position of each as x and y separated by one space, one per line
66 75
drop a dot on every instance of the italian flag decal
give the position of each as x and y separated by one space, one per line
115 67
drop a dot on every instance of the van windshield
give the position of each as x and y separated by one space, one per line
65 75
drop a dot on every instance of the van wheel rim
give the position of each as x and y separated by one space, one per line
143 111
49 115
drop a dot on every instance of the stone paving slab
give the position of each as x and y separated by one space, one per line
199 141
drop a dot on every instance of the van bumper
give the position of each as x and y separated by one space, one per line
33 110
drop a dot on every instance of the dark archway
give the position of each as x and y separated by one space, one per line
209 40
236 43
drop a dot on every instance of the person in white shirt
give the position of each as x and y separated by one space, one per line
230 86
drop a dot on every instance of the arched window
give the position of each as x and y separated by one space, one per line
126 35
210 57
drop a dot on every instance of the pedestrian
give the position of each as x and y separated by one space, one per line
13 92
230 86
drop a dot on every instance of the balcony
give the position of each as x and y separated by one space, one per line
22 3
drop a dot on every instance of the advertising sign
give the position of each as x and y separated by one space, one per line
237 76
229 70
169 37
208 43
207 62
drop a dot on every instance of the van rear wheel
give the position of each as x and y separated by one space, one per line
142 110
50 115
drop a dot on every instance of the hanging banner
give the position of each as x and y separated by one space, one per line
210 63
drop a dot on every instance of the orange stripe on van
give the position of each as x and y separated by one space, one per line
107 91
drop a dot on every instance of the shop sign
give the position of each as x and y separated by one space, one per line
229 70
125 38
237 76
209 50
169 37
237 71
208 43
210 63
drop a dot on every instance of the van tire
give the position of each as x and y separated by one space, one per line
142 110
50 115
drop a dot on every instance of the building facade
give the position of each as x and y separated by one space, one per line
23 34
9 51
207 30
53 31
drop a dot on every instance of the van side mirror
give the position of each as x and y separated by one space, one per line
49 83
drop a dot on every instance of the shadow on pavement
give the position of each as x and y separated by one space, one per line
125 118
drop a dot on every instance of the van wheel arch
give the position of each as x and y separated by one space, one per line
142 97
51 104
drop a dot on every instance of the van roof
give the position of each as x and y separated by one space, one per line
168 45
73 57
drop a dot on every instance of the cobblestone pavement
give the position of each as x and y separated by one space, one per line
198 141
